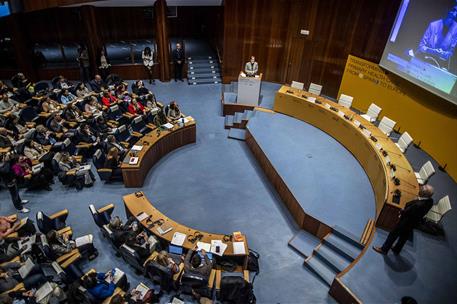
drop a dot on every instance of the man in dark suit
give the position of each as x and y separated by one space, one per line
178 60
410 216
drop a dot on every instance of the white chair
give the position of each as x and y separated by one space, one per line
372 113
404 141
425 173
298 85
439 210
315 88
387 125
345 101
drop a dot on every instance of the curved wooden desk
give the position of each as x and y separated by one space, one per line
367 151
137 203
155 146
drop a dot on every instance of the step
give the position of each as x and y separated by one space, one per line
200 61
203 64
206 67
348 236
332 258
203 74
322 270
239 134
342 246
238 117
229 97
204 81
247 114
196 76
304 243
228 122
201 57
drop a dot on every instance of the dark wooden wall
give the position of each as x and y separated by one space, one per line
270 30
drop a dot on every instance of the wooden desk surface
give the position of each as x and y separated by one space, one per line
293 102
135 205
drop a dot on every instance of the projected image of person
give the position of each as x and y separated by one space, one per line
439 40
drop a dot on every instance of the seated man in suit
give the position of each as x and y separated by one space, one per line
112 142
251 68
193 263
123 231
410 216
97 84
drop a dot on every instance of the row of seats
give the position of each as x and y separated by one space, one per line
387 125
223 285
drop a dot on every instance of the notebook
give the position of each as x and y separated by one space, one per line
25 269
44 291
164 229
203 245
178 238
137 148
238 248
168 126
133 160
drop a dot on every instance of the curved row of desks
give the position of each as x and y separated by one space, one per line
376 153
137 203
156 144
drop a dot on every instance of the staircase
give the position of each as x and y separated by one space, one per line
237 124
203 70
336 251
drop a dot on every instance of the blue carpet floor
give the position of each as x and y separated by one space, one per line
217 185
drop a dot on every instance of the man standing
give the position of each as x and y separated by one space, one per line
410 216
251 68
84 64
178 60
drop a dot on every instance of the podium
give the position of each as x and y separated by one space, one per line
249 89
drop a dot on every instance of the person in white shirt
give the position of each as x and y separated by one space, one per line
148 62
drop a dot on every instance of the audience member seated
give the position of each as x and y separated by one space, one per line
19 81
66 97
42 179
72 113
36 152
48 105
61 244
172 111
57 124
151 102
10 277
8 105
22 227
92 107
81 90
135 107
113 162
139 89
193 263
111 142
142 244
62 83
160 119
6 138
121 89
97 84
108 99
43 136
164 259
102 285
72 173
123 232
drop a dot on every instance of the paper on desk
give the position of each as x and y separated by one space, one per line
327 106
311 99
203 245
356 123
178 239
142 216
341 113
238 248
137 148
133 161
222 247
83 240
378 146
168 126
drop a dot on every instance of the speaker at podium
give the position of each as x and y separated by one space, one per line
249 89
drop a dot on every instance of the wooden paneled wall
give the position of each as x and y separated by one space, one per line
270 30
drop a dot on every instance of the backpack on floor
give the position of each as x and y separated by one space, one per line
253 263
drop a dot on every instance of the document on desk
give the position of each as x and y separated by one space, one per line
203 245
83 240
136 148
238 248
25 269
43 292
168 126
218 243
142 216
133 160
311 99
178 239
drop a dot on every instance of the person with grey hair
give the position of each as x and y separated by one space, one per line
410 216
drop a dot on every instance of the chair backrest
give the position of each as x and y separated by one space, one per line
404 141
387 125
100 219
345 101
160 274
191 281
373 111
131 257
297 85
315 88
426 171
43 222
443 206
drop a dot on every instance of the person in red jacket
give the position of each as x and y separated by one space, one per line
108 99
136 107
